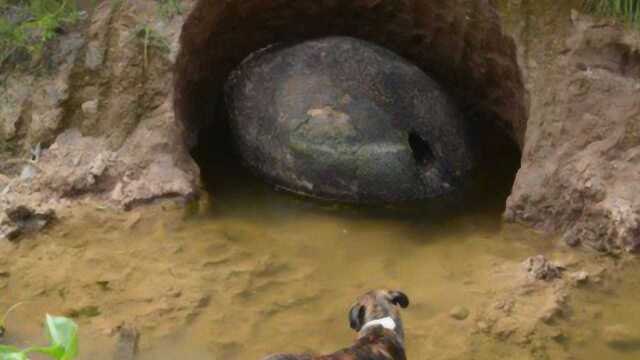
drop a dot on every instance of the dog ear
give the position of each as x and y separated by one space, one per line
356 317
399 298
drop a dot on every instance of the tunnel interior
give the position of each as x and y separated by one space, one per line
459 44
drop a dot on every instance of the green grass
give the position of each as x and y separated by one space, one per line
8 148
170 8
627 10
150 39
3 320
26 26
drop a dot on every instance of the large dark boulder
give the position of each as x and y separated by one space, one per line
344 119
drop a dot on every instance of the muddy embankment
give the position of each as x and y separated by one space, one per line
113 114
580 161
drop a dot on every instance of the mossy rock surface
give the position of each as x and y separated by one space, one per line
344 119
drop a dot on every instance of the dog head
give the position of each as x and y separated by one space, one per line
375 307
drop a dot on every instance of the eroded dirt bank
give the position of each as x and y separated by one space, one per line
562 84
95 120
581 157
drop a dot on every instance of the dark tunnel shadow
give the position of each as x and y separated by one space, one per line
471 58
230 184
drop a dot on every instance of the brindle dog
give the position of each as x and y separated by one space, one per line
376 318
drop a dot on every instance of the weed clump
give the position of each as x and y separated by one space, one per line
150 39
26 26
170 8
627 10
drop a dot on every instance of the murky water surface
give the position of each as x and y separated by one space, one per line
257 271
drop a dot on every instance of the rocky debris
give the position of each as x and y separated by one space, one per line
483 326
21 219
74 164
459 313
163 178
621 337
387 130
505 328
539 268
28 172
16 91
90 107
4 182
555 307
31 197
127 346
579 278
525 309
11 167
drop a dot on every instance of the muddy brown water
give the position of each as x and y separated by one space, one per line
255 271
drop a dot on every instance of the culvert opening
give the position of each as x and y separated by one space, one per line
472 60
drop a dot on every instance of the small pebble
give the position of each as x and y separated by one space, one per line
579 278
28 172
459 313
483 326
127 346
90 107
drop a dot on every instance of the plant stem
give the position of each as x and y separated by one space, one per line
3 321
146 45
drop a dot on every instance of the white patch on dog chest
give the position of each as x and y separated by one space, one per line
386 323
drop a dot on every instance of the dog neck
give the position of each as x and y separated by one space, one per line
388 323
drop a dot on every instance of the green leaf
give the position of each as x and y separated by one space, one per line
14 356
63 333
11 353
6 349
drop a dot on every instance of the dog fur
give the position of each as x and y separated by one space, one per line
374 342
